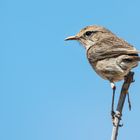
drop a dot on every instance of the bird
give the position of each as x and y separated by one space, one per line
111 57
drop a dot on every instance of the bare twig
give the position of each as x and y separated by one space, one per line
127 81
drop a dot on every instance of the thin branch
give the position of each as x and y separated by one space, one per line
127 81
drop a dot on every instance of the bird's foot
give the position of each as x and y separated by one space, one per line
114 117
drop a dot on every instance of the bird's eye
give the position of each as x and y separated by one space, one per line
88 33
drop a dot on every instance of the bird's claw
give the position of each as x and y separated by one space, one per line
114 115
120 125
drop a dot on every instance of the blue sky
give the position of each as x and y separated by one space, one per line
48 89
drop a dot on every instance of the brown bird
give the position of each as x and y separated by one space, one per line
110 56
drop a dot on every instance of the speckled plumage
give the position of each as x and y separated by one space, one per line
111 57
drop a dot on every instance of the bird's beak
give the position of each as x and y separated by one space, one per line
72 38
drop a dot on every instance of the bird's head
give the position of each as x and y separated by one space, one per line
89 35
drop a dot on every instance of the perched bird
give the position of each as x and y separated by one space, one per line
111 57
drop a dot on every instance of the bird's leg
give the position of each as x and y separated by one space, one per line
129 102
113 96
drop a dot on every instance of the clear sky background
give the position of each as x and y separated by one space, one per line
48 90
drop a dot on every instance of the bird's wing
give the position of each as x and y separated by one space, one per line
110 47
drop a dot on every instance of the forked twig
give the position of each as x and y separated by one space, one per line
127 81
